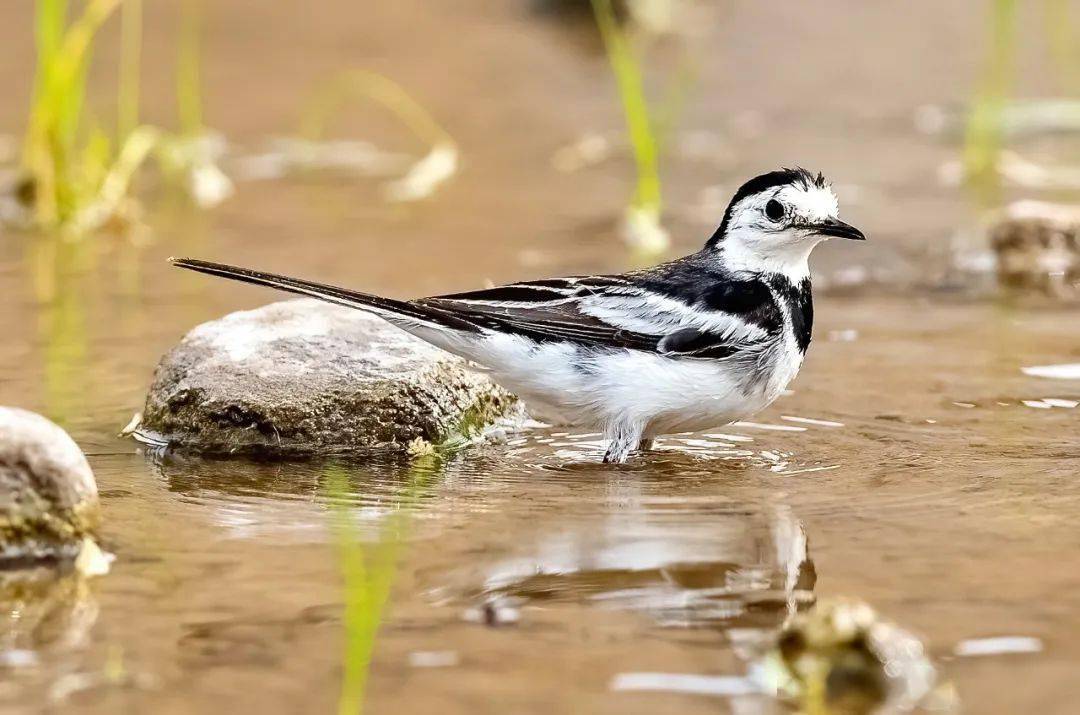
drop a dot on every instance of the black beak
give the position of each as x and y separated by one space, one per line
835 228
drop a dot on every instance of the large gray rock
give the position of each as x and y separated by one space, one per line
303 377
48 497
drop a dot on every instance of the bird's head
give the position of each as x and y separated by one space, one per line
775 220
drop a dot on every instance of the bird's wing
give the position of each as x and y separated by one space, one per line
544 311
603 312
644 311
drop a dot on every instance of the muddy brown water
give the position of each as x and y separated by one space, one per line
927 487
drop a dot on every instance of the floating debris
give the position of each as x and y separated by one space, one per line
421 178
722 685
1048 403
811 421
808 470
729 437
286 156
14 658
1065 371
424 176
773 428
195 162
642 231
848 335
1000 645
112 205
778 461
434 658
132 426
92 561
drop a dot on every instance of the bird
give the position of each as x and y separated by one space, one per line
691 344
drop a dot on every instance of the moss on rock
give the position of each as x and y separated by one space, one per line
48 497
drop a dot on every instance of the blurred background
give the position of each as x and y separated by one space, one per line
881 99
411 148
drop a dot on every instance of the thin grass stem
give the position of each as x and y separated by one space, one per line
983 136
368 573
127 111
628 78
189 69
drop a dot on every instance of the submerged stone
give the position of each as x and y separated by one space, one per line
842 657
303 377
48 497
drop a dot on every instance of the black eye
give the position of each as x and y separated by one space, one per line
774 210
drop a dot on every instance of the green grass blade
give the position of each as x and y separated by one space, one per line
631 86
49 22
983 134
368 574
189 69
330 98
127 110
57 107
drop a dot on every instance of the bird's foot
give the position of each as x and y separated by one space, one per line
622 444
618 451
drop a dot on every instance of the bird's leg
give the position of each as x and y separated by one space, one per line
645 444
618 451
624 437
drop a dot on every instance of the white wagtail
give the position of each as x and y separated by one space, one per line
687 345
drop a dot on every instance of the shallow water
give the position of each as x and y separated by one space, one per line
904 468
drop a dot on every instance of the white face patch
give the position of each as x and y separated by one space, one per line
758 239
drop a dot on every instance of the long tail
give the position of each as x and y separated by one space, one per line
396 311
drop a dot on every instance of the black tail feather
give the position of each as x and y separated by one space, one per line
384 307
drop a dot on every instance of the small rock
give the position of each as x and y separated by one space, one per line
48 497
303 377
841 657
1037 246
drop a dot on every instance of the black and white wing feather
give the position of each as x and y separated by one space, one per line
643 311
604 312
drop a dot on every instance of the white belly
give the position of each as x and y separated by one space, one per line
568 385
